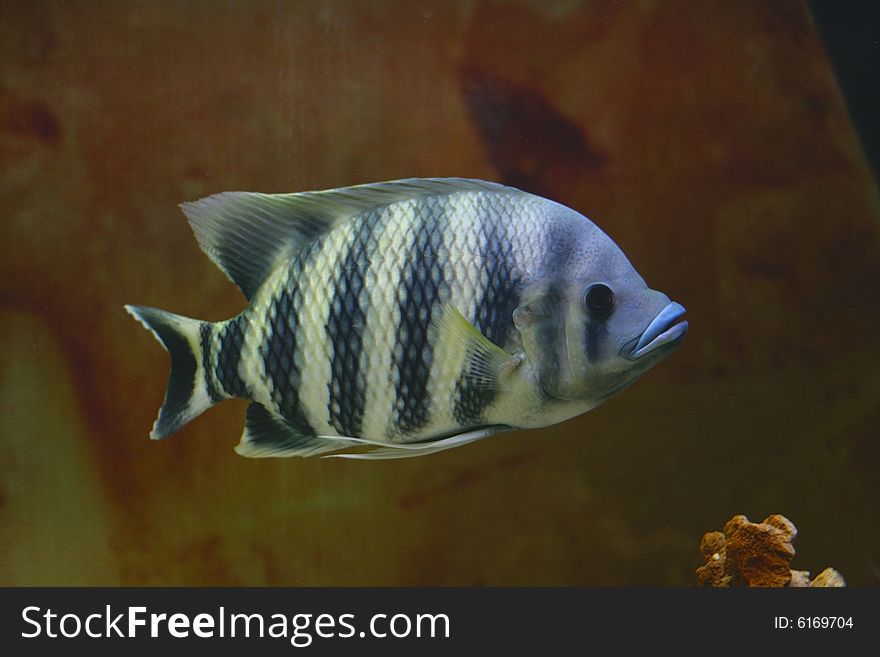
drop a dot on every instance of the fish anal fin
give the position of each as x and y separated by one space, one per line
269 435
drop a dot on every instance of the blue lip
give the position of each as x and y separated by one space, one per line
662 330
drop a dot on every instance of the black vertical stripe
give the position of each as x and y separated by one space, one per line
279 349
494 315
494 312
595 333
549 339
422 286
229 356
205 334
345 328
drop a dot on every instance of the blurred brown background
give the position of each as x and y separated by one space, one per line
709 139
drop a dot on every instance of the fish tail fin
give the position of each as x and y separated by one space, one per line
187 395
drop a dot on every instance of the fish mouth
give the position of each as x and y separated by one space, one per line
662 331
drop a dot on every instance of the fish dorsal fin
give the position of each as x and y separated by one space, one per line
248 234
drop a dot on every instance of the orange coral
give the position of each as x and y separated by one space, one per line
756 554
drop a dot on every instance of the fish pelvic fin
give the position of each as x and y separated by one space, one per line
411 450
187 395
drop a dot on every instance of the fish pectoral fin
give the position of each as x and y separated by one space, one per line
482 362
410 450
269 435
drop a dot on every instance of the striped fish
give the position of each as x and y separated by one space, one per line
407 317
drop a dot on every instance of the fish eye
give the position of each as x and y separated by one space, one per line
599 300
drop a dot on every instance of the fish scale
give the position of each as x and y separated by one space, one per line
423 285
283 374
315 345
463 248
387 261
229 343
410 316
346 326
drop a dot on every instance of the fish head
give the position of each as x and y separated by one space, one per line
590 325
